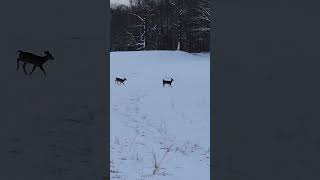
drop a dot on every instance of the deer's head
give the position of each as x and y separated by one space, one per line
48 55
172 79
125 79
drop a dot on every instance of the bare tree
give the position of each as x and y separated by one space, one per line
142 30
180 11
162 25
202 18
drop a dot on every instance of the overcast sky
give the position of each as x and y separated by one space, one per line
120 1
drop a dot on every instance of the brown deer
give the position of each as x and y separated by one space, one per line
120 81
164 82
35 60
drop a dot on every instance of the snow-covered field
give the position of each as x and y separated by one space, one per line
160 132
51 126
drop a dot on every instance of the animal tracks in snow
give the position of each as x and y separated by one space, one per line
146 118
149 132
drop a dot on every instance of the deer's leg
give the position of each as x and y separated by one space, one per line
34 67
18 64
24 68
43 70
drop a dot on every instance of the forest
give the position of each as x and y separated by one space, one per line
161 25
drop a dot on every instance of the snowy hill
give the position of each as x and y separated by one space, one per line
160 132
51 127
48 121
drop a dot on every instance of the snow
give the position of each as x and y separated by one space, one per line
52 127
149 121
125 2
48 121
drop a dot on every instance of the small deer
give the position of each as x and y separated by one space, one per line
164 82
120 81
35 60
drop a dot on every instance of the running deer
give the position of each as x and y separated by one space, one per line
120 81
35 60
164 82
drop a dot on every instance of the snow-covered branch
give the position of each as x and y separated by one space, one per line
202 18
142 19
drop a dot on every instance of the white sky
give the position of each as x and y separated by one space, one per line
119 1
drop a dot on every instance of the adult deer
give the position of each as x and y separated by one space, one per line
120 81
164 82
35 60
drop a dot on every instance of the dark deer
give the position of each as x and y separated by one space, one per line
120 81
164 82
35 60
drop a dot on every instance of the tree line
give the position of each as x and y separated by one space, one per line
161 25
